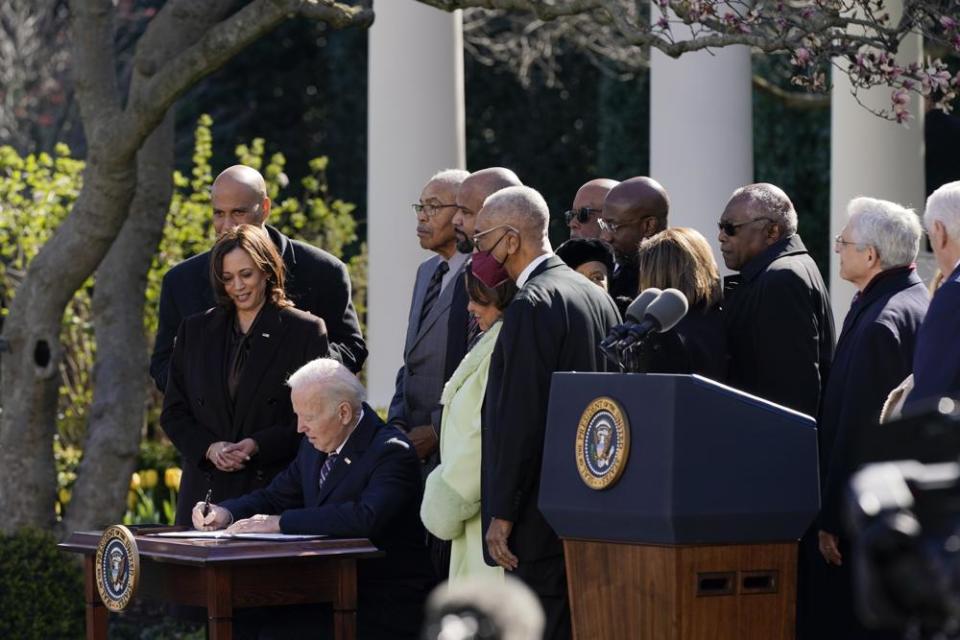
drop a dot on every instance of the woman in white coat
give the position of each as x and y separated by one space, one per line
451 499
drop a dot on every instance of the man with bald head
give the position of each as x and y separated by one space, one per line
554 323
316 281
478 186
583 217
633 210
777 309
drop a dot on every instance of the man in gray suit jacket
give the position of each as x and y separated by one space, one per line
415 407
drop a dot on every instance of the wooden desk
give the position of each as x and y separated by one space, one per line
223 575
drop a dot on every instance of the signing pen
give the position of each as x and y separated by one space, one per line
206 502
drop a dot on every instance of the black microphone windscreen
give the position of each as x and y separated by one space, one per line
668 309
638 307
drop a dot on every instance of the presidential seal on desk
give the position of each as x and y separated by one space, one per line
118 567
603 443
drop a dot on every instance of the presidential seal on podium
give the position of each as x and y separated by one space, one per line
603 443
118 567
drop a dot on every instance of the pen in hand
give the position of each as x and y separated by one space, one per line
206 503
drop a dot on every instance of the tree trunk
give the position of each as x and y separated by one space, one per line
115 132
120 380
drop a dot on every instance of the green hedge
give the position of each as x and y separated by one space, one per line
41 589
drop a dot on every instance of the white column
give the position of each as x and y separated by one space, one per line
870 156
415 128
701 133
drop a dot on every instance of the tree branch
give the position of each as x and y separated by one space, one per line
219 44
94 78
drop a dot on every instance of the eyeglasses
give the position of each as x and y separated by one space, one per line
730 229
582 214
838 240
476 238
611 227
430 208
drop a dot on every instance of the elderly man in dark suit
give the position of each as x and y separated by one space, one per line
317 282
777 309
633 210
936 363
554 323
353 477
877 249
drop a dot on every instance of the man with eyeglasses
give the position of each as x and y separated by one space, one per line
633 210
583 217
553 324
877 250
478 186
777 309
435 326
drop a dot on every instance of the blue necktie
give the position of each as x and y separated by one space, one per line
325 469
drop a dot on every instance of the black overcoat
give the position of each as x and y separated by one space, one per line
197 410
780 327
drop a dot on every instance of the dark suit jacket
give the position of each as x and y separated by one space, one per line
624 285
315 281
197 410
375 495
554 323
874 355
936 362
698 344
780 327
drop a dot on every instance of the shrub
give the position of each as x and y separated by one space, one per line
41 589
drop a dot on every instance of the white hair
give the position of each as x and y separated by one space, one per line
524 207
943 206
894 231
332 377
769 201
452 177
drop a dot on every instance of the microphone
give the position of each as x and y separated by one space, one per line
661 315
638 307
634 313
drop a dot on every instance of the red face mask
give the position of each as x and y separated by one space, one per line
488 269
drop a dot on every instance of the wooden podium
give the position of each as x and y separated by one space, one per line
682 522
223 575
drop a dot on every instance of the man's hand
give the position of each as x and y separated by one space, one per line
256 524
497 535
424 439
830 548
231 456
216 518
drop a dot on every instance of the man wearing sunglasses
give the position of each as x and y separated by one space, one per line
633 210
777 309
583 217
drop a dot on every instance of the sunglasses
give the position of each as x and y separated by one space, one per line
582 214
730 229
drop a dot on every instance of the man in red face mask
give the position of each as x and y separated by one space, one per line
554 323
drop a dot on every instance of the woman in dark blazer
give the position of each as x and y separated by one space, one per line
227 407
680 258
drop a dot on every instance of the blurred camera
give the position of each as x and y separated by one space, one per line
904 518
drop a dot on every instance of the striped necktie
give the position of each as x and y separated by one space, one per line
325 469
433 290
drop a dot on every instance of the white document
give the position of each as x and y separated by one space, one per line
223 535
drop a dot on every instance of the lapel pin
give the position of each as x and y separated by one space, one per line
347 460
265 335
